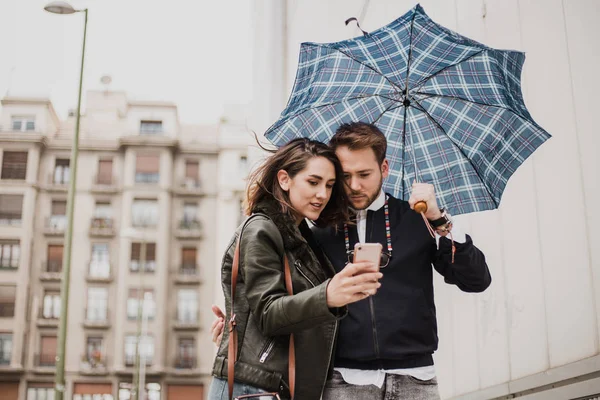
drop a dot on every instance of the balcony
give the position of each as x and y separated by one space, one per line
51 271
187 321
58 182
44 363
48 318
129 360
96 319
108 186
187 273
188 229
10 219
185 365
137 266
99 273
188 187
93 364
102 227
8 265
55 225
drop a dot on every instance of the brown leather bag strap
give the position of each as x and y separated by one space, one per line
233 337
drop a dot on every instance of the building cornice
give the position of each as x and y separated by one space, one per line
34 138
148 141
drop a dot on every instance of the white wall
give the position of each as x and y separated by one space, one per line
539 321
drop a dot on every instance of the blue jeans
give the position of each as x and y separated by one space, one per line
394 387
220 391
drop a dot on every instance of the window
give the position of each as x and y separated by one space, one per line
151 392
190 216
186 353
55 258
100 263
148 304
144 213
47 357
93 391
188 260
102 216
105 172
147 168
10 254
23 123
41 391
187 306
51 305
62 171
151 127
243 165
5 348
14 165
192 173
97 303
58 217
136 260
8 295
11 206
93 350
146 349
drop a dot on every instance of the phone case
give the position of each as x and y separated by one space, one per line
370 252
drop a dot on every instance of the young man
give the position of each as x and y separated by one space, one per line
385 344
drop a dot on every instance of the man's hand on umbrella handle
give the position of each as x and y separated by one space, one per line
218 325
425 192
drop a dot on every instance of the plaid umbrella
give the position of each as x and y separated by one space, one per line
451 108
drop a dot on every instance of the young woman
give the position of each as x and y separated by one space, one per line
302 180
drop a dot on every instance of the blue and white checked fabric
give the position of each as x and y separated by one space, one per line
466 129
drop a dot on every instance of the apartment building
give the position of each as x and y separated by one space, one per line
144 230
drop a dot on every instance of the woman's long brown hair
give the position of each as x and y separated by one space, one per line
293 158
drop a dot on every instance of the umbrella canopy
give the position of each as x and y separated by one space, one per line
450 107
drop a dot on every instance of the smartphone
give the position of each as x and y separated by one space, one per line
370 252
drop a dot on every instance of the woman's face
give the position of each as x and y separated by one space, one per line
310 190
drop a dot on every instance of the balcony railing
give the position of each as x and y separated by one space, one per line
55 225
9 264
10 219
99 272
59 180
147 177
5 359
187 320
53 266
45 360
48 318
102 226
96 318
188 273
95 363
185 362
129 360
189 228
51 271
136 266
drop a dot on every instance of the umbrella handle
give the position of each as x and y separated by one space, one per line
420 207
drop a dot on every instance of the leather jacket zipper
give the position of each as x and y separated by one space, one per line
375 341
298 267
268 349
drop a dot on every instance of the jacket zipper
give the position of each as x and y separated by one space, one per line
267 351
298 265
375 341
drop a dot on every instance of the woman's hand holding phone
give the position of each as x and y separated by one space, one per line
355 282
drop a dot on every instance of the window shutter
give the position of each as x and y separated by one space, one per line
148 164
105 169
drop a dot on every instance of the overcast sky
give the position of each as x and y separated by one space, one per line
194 53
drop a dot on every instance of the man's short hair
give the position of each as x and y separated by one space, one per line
358 136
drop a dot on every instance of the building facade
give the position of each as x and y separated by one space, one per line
535 332
146 213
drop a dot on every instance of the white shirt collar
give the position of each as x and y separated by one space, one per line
378 203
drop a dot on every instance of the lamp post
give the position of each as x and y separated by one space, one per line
61 7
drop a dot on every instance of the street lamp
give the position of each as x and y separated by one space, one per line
61 7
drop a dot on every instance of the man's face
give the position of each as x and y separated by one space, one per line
362 174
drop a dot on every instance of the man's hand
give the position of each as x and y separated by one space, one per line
217 326
425 192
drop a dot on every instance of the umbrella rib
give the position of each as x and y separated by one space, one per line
412 24
367 66
330 104
424 80
459 149
445 96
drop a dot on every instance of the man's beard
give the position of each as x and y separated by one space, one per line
371 197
